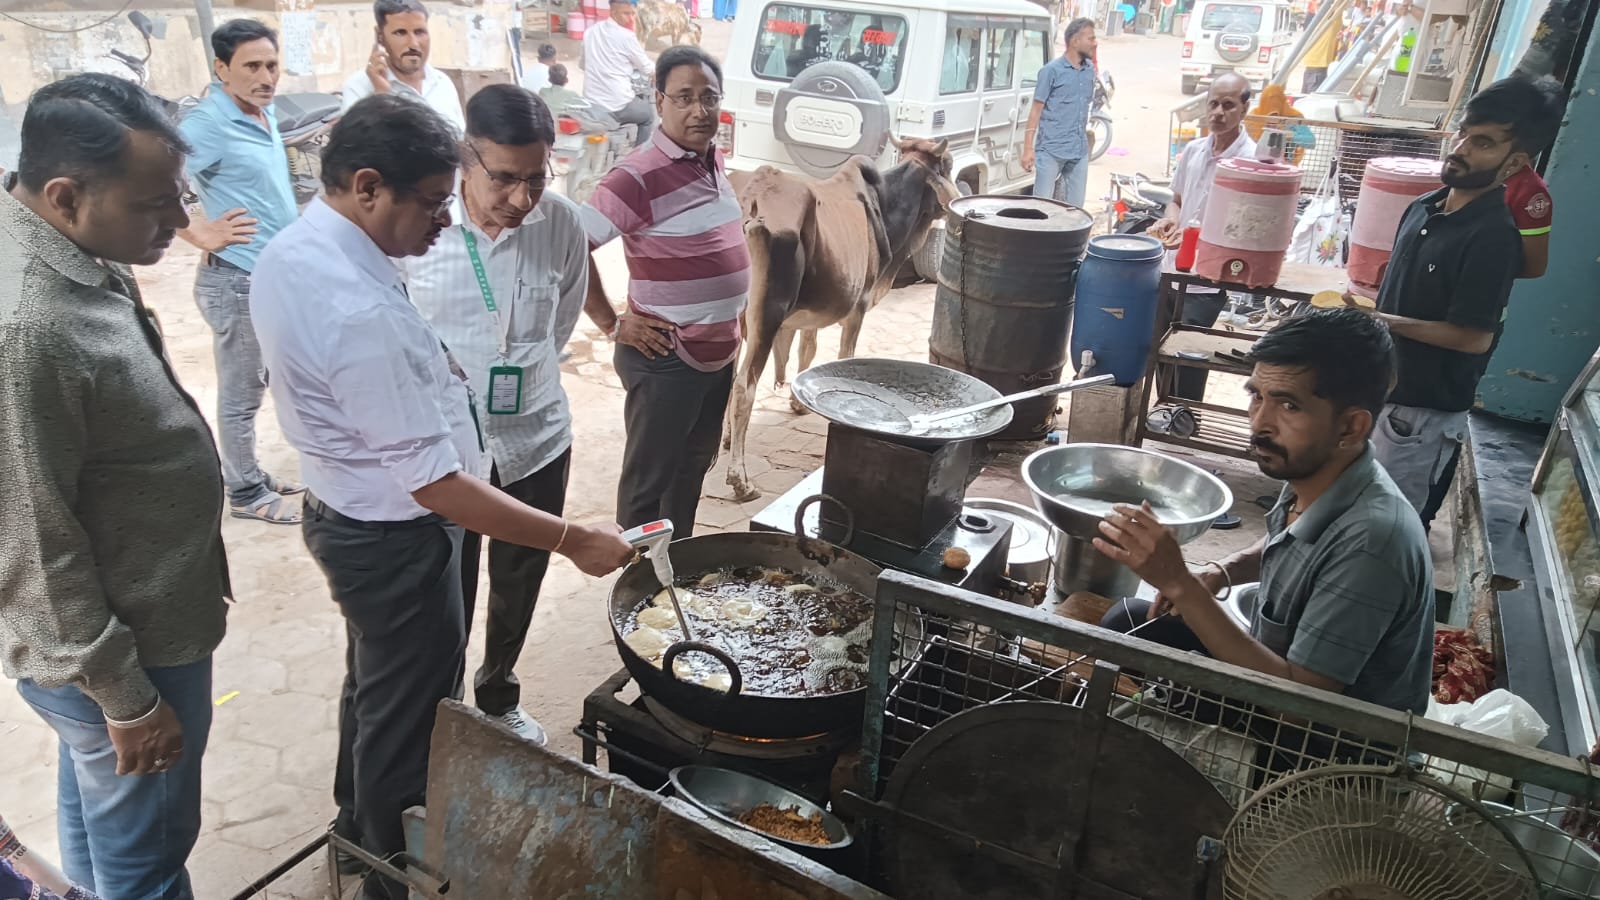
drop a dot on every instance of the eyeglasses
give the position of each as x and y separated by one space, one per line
437 208
506 183
708 101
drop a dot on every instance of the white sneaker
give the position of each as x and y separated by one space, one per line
526 726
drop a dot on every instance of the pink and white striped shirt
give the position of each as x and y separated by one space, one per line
683 234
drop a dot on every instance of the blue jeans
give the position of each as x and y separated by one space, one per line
127 837
1066 180
223 294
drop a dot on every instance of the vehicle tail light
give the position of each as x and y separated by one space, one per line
725 132
568 125
1188 49
1265 55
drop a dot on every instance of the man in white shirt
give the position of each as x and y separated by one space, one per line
537 78
507 332
399 63
384 423
611 55
1226 104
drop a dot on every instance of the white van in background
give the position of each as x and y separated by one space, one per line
809 85
1250 38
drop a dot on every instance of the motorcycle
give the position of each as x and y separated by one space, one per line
1099 128
1134 203
589 141
304 120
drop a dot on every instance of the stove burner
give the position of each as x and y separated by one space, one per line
709 739
644 741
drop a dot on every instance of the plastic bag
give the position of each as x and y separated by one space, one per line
1499 714
1321 230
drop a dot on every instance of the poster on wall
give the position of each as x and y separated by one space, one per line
295 34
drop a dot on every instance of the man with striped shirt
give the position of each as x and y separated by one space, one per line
689 277
507 331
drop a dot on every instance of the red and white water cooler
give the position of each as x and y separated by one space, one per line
1388 186
577 23
1249 222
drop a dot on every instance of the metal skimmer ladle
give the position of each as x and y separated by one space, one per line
921 421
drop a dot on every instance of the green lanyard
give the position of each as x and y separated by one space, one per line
485 289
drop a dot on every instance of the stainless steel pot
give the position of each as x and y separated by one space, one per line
1032 540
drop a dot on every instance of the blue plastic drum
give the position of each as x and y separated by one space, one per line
1118 286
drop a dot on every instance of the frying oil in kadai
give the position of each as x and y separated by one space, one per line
791 636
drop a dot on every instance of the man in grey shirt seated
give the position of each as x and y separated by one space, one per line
1346 601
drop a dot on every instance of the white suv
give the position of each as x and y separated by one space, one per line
809 85
1250 37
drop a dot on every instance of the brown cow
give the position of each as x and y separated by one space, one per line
823 252
666 19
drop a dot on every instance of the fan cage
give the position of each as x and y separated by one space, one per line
1243 730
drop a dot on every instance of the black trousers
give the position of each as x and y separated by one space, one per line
398 585
515 574
673 415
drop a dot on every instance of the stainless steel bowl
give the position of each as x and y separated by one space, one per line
727 795
1075 485
1568 868
1241 602
881 396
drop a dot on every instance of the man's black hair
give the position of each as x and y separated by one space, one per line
1075 26
383 9
1530 111
509 115
1350 353
547 51
79 127
404 140
228 36
558 74
684 55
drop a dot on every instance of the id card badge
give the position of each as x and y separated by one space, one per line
505 390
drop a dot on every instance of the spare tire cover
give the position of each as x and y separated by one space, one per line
830 112
1236 47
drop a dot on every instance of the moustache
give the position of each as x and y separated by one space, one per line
1455 160
1266 445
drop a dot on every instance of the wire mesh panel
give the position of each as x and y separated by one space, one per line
939 651
1321 147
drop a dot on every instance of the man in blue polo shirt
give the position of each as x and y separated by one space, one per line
241 174
1056 147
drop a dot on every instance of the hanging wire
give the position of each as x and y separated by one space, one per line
90 27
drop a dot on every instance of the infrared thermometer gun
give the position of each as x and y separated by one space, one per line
653 538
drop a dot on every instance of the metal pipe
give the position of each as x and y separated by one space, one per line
208 24
278 871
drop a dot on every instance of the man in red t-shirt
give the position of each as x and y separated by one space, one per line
1532 209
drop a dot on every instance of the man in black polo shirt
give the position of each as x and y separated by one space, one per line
1456 255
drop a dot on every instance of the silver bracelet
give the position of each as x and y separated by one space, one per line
145 719
1227 590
